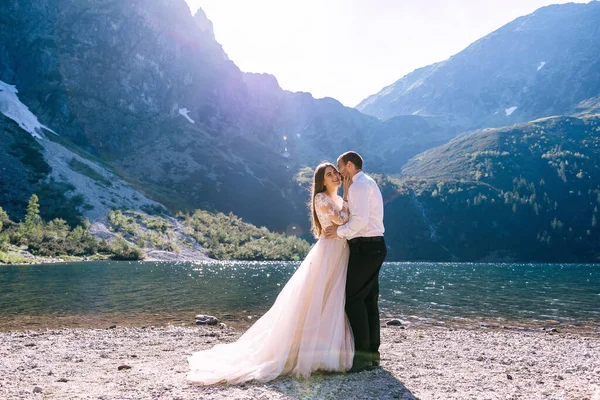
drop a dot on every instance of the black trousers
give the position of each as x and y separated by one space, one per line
362 297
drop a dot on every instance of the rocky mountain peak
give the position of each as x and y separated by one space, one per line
204 23
258 80
522 71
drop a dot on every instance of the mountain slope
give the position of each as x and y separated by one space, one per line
527 192
69 182
543 64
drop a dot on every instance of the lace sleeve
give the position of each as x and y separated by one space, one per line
327 207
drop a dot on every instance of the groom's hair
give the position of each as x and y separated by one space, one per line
354 157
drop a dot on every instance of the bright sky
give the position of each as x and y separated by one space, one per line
350 49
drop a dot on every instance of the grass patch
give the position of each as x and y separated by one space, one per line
71 258
11 258
65 142
88 171
99 257
29 152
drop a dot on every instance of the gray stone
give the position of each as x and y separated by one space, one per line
206 320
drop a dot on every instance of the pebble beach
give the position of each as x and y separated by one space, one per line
418 362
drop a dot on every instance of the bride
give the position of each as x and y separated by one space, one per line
306 329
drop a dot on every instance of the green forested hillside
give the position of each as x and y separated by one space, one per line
527 192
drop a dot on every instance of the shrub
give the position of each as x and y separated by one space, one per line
123 250
228 237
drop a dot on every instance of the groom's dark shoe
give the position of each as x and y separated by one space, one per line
375 359
359 366
362 362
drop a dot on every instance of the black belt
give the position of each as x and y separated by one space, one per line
366 239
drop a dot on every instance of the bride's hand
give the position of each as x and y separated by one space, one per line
331 232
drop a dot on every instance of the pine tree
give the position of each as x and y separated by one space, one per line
33 211
4 220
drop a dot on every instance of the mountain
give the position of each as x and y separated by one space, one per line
520 193
144 87
543 64
134 105
526 189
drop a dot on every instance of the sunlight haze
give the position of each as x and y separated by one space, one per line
350 49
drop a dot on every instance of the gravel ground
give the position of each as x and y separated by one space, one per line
417 362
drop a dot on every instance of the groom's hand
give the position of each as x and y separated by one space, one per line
331 232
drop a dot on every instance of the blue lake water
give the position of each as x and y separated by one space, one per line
568 293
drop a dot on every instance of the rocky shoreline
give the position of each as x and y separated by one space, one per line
418 361
153 255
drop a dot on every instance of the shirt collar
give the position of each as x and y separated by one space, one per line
355 177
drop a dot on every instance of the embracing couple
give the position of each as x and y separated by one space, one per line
326 317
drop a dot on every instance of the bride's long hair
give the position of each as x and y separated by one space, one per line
318 186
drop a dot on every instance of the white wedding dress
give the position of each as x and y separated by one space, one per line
304 331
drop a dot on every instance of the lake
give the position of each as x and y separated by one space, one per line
566 293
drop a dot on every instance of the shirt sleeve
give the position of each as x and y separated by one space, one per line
358 203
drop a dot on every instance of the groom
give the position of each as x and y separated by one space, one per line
364 232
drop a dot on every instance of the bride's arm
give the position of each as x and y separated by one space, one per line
326 206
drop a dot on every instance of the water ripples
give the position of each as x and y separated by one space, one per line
564 292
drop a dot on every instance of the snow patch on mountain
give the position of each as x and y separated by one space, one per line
11 106
185 112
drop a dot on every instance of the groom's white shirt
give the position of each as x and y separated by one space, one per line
366 209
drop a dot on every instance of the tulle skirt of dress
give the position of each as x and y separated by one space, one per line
304 331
